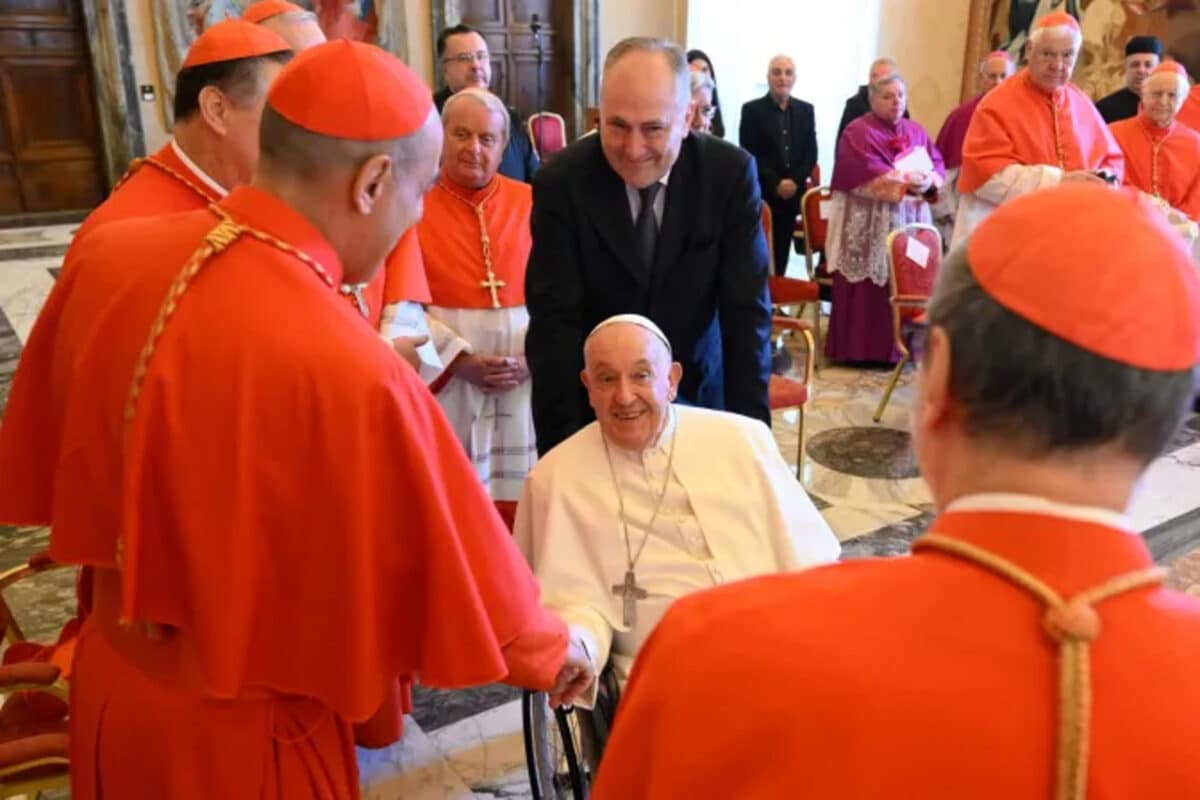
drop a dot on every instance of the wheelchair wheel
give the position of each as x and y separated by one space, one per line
553 750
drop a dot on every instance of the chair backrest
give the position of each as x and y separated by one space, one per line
815 209
814 177
766 226
548 132
914 259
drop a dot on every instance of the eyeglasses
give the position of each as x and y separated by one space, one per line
467 59
708 112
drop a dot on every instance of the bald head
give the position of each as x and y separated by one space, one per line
781 77
298 28
880 67
993 70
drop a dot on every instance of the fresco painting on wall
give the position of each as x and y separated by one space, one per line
1106 24
339 19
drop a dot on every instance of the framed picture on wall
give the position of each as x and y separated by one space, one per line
1107 25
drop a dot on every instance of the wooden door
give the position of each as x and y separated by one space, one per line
505 25
49 138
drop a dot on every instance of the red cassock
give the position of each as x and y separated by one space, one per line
1020 123
283 528
158 184
1164 162
1189 113
401 279
457 225
922 677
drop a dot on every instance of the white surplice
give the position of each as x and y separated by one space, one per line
732 509
1011 182
495 429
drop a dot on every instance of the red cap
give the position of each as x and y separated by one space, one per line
999 54
231 39
1098 268
1172 67
351 90
1058 19
265 9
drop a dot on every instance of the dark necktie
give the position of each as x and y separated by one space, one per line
646 226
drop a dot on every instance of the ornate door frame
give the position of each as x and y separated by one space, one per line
115 86
584 81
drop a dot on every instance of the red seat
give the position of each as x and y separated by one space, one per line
783 392
548 132
791 291
34 716
911 286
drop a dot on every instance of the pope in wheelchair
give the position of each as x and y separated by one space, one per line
653 501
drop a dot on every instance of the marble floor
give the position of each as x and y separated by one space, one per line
860 474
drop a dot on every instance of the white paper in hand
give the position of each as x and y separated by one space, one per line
914 159
917 253
410 321
826 207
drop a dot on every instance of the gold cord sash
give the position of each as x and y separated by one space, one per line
1071 622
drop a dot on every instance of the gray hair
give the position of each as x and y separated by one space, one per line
484 98
1182 87
675 57
1036 34
292 17
700 80
1029 392
891 77
288 149
884 61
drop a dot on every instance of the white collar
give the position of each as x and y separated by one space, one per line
663 180
1032 504
199 173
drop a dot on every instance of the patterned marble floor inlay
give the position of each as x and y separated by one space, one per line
860 474
884 453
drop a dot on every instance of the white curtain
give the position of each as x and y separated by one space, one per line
833 43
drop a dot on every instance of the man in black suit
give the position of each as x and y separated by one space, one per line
640 219
781 133
860 103
465 59
1142 54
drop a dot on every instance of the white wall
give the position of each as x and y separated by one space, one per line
623 18
832 43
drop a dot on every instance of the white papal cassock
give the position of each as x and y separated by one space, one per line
732 509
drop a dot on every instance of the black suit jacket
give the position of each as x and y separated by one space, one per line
856 106
519 161
759 132
707 291
1121 104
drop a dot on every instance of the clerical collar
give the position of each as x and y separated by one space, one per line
1032 504
203 176
470 195
1153 127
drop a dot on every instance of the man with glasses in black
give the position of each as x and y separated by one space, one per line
466 62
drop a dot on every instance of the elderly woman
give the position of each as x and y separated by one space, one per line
886 172
1162 156
705 108
698 61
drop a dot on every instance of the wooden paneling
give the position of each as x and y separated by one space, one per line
49 146
505 25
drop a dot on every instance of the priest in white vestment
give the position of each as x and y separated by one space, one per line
475 242
653 501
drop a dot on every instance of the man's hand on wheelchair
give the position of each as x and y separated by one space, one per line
574 678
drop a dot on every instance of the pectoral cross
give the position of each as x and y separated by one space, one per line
630 593
354 293
492 284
